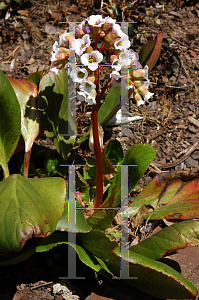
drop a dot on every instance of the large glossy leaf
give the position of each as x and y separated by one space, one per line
29 206
150 52
56 118
177 236
26 93
10 120
175 200
138 155
155 278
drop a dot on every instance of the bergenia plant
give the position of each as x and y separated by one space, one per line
41 206
114 45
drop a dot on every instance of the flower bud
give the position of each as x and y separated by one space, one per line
137 74
91 78
60 56
143 90
102 34
113 57
110 37
89 49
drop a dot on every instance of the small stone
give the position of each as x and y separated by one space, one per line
195 155
191 163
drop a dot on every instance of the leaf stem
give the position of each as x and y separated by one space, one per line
26 163
6 172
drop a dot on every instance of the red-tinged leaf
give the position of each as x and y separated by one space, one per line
26 93
172 200
174 237
150 52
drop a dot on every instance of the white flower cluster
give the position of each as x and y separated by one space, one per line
124 61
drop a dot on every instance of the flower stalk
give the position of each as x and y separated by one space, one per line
114 42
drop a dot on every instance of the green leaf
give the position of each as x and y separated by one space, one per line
29 206
154 278
54 240
26 93
141 156
10 121
114 152
35 77
174 237
172 200
51 164
76 219
56 118
138 155
110 106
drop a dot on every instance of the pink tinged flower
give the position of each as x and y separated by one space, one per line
79 75
87 87
79 29
91 60
80 45
108 23
123 43
95 20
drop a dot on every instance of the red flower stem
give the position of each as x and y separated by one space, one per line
97 148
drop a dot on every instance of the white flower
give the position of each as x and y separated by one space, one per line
81 96
95 20
115 75
145 72
64 38
92 59
54 69
80 45
123 43
148 96
90 100
79 75
117 29
116 64
140 102
109 20
128 57
87 87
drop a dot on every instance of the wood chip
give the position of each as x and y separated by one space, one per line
193 121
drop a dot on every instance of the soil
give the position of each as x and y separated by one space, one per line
170 119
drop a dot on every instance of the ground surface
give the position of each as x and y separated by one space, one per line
170 119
